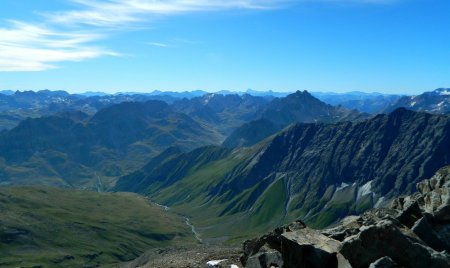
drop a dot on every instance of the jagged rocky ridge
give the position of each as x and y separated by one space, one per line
413 232
317 172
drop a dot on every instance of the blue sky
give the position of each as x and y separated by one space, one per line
391 46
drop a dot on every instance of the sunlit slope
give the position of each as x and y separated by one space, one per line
54 228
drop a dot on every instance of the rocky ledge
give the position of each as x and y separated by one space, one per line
413 232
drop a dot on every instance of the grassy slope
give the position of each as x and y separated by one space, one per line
54 228
210 215
228 217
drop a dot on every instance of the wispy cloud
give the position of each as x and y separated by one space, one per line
114 13
124 13
158 44
28 47
69 35
173 42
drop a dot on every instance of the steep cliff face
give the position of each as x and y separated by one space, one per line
317 172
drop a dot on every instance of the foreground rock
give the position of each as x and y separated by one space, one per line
414 232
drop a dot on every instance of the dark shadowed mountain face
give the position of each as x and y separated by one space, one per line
437 101
317 172
251 133
299 107
61 150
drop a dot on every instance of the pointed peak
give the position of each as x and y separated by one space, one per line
299 94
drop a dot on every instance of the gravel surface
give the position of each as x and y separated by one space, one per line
192 257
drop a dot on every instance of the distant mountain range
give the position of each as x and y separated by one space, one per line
16 106
223 112
77 149
68 150
437 101
371 103
280 112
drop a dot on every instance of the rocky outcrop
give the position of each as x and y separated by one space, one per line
294 245
414 232
384 262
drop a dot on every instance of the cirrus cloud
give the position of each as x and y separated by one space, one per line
115 13
29 47
69 35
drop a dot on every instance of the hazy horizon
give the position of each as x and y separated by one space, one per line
210 91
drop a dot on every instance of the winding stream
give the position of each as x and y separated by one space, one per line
187 221
197 235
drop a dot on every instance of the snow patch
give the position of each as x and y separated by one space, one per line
343 185
364 190
214 263
208 98
445 92
413 103
234 266
378 203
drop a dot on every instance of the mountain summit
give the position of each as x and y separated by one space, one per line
299 107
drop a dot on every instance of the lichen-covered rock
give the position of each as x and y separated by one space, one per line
386 239
431 207
435 192
423 229
265 259
293 245
351 225
309 248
